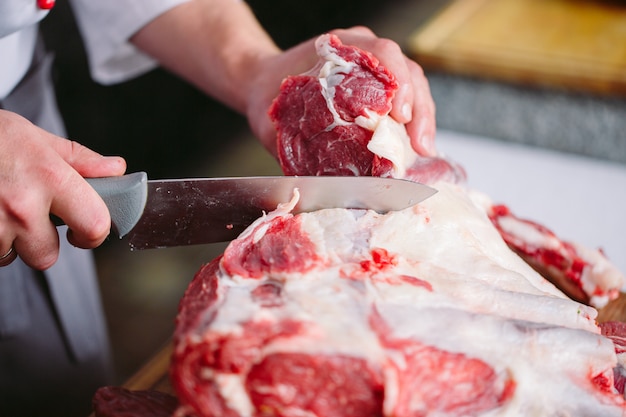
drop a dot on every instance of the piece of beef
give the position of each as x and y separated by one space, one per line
584 274
318 112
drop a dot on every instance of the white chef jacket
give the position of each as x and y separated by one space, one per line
105 25
18 33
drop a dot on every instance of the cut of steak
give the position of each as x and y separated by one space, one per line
410 313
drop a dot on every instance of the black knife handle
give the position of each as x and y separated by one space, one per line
125 197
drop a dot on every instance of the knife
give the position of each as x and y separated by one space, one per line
178 212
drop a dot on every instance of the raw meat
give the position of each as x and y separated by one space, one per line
412 313
334 120
418 313
616 331
585 275
319 131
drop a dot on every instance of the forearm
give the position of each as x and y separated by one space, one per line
214 44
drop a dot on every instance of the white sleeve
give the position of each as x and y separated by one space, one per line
16 15
107 25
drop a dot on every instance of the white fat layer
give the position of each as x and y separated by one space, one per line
391 141
531 235
330 76
551 364
450 232
600 274
478 298
232 388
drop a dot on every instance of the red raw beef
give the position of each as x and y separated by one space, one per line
326 119
329 385
336 386
312 139
616 331
584 275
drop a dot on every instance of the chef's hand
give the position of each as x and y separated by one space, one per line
412 105
41 173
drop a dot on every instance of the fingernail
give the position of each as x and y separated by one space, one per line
427 142
406 109
406 112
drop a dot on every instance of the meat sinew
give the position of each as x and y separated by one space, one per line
422 312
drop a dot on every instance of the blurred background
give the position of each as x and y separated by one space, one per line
546 74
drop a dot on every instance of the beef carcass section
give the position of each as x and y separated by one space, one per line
412 313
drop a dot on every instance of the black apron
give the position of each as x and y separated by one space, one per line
54 349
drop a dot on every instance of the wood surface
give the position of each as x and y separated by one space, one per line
154 374
575 44
614 310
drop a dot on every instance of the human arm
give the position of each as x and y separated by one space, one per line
41 173
219 46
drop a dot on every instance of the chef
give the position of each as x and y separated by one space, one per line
54 350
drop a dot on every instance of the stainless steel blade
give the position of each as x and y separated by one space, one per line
195 211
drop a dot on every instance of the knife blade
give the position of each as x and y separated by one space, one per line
179 212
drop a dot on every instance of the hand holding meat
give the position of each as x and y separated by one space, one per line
412 103
240 65
42 174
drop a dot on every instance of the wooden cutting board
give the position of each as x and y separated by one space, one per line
154 374
575 44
